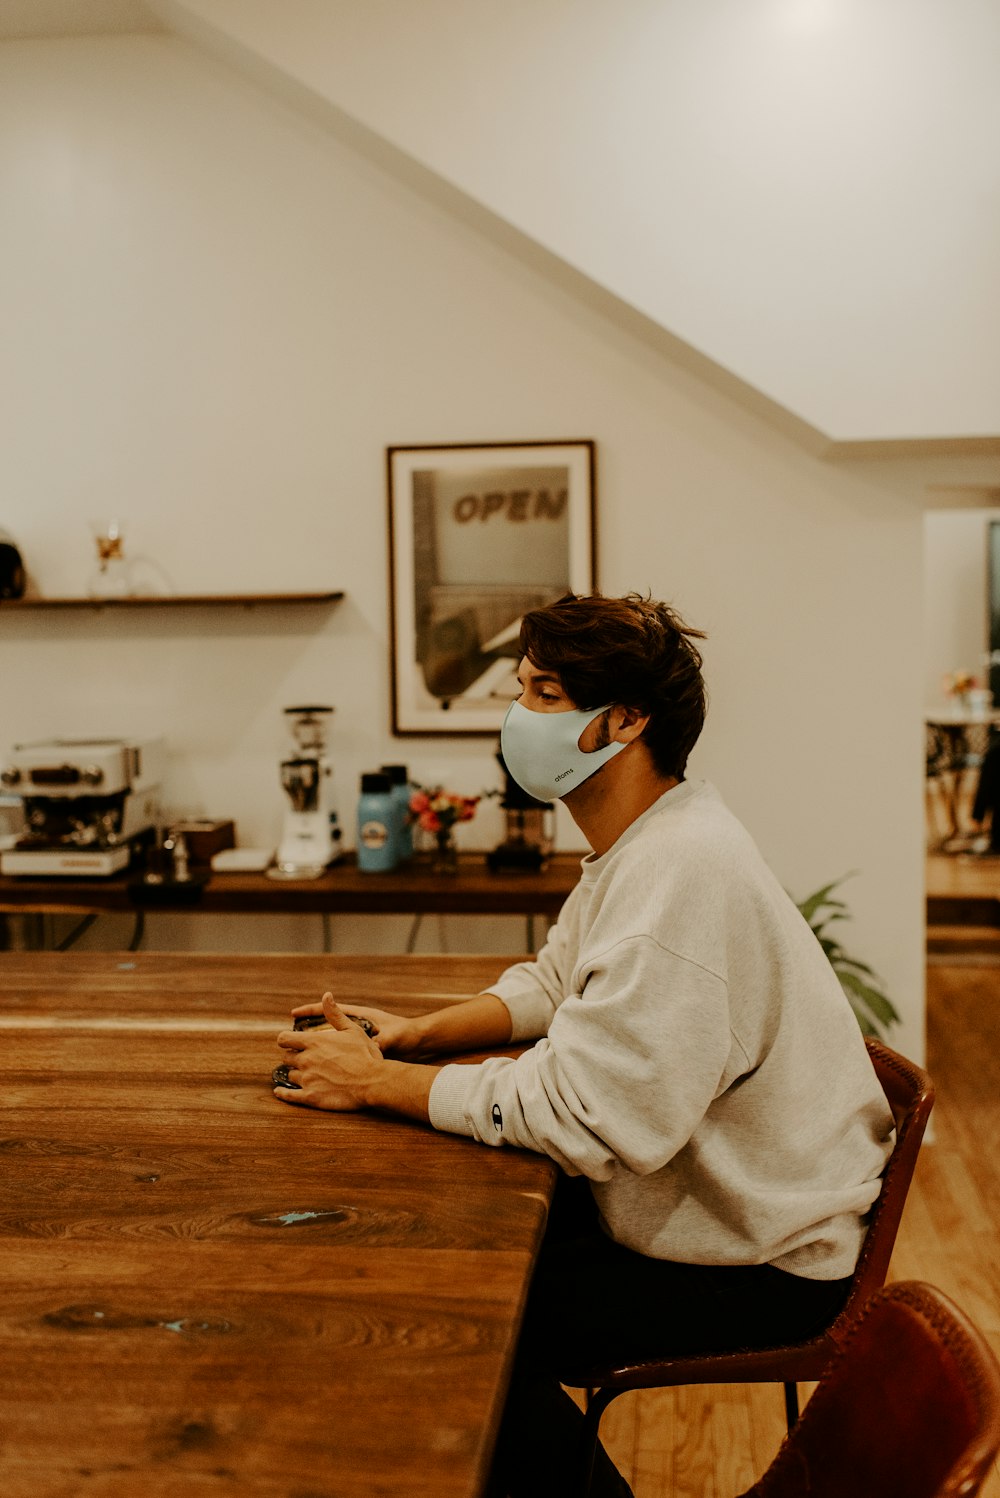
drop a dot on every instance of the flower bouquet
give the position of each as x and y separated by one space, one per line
959 683
437 811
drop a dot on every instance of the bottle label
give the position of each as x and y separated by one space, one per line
374 834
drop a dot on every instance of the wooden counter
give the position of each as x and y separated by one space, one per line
342 889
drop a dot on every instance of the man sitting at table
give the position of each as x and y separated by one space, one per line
696 1064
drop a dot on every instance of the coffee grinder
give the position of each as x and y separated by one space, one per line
310 838
528 843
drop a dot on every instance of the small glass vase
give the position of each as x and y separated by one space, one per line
111 577
444 859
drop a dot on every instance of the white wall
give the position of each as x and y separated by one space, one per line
803 190
218 319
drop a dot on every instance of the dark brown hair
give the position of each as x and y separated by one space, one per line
633 651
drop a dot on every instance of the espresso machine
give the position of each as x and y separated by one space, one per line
87 804
311 834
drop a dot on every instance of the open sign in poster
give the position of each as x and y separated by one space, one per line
478 535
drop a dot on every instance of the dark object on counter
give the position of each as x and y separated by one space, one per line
512 857
316 1021
204 836
154 889
168 878
279 1077
525 848
12 577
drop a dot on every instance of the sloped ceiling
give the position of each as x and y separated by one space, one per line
803 194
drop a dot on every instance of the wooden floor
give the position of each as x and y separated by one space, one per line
713 1443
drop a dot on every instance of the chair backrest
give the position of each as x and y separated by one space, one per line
910 1094
908 1408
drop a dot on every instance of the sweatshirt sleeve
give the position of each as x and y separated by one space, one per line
533 991
625 1074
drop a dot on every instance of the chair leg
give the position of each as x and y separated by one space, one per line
597 1402
791 1404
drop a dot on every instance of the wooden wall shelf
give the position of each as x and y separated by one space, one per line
173 601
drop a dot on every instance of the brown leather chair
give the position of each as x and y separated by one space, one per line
910 1093
908 1408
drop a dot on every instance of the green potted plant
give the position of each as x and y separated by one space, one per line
873 1010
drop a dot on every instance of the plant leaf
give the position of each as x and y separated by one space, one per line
871 1006
875 1002
816 901
859 967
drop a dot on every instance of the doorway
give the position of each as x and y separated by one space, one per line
961 722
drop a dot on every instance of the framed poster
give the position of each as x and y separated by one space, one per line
479 533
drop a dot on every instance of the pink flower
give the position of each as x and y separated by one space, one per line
436 810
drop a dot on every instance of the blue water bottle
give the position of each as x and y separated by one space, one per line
399 780
378 850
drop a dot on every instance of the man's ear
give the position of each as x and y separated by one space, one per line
627 723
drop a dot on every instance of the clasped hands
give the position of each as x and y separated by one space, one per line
337 1068
342 1068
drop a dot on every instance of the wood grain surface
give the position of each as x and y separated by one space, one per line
205 1291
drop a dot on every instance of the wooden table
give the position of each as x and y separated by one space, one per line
207 1291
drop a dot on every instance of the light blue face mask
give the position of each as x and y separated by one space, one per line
542 750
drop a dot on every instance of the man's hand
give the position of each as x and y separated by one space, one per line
341 1069
334 1068
475 1024
396 1036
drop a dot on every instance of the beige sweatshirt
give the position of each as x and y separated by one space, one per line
696 1058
